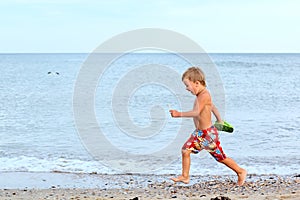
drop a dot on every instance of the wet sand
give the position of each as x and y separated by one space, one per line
128 186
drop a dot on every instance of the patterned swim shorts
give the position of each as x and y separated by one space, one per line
207 139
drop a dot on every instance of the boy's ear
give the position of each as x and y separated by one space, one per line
197 83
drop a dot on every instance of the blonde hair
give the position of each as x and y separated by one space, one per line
194 74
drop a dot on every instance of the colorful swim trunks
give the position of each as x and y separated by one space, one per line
207 139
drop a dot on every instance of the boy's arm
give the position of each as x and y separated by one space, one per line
192 113
198 107
216 113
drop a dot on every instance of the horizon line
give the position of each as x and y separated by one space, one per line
151 52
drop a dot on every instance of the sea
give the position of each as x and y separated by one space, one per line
39 131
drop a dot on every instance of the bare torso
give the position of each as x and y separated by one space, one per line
203 121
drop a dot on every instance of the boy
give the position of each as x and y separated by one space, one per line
206 135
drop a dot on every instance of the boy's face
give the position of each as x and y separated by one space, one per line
191 86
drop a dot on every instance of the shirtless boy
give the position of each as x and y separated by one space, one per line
205 135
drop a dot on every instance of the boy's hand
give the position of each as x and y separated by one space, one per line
174 113
220 122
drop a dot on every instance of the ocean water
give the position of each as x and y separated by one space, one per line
38 132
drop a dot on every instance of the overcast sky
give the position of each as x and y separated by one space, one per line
217 26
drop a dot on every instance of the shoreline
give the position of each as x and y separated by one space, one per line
139 186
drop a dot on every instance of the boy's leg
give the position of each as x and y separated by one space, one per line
186 162
190 146
241 173
216 151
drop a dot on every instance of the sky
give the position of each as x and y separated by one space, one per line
79 26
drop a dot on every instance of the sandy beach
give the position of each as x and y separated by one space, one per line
137 186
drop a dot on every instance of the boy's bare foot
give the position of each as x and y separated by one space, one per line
181 179
242 177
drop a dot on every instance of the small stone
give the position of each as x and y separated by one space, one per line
225 198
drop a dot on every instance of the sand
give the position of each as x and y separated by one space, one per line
150 187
